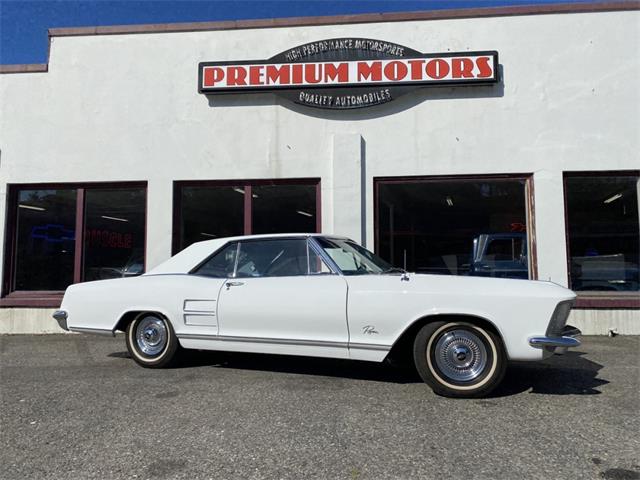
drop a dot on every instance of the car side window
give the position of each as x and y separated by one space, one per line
273 258
505 249
316 263
220 265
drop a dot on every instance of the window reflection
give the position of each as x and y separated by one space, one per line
316 263
603 231
222 264
218 211
454 227
45 244
284 209
211 212
114 233
273 258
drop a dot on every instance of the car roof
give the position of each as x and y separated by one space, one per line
263 236
194 254
275 235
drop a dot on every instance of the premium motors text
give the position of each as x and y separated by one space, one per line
364 72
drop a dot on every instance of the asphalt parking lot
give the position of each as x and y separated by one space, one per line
75 406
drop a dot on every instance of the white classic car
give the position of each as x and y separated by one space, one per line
326 296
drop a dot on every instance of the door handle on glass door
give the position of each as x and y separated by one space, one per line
233 284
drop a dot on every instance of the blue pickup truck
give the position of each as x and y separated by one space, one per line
505 255
500 255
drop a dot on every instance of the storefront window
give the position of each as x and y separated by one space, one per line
70 234
284 208
603 232
208 210
454 227
45 239
114 233
211 212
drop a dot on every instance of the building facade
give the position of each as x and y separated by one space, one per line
510 147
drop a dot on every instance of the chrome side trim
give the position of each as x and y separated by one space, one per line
194 300
370 346
95 331
275 341
562 342
284 341
61 318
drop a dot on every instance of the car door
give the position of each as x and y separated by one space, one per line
283 299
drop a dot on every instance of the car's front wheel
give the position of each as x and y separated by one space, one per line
459 359
151 340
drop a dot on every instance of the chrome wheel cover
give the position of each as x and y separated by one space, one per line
151 336
460 355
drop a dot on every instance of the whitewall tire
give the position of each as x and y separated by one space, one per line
151 341
459 359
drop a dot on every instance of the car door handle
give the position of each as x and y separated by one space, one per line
233 284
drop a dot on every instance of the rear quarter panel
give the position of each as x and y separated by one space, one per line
100 305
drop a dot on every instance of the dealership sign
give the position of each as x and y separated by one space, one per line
347 73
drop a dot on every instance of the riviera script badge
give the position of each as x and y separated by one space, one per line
345 73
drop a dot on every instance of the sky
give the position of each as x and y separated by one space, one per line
24 24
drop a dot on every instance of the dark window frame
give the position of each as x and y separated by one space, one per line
529 203
595 300
52 298
247 184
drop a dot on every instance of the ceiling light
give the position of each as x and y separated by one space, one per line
115 218
254 195
613 198
450 201
208 234
239 190
31 207
306 214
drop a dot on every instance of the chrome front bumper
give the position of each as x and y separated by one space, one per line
560 344
61 318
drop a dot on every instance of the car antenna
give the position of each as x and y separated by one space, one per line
404 277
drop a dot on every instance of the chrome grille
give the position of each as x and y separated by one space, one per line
559 318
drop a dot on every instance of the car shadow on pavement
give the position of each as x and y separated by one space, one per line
569 374
316 366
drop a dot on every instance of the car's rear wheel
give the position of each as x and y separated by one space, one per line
151 340
459 359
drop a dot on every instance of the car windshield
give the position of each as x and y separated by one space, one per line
352 259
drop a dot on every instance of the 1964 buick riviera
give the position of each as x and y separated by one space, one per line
326 296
